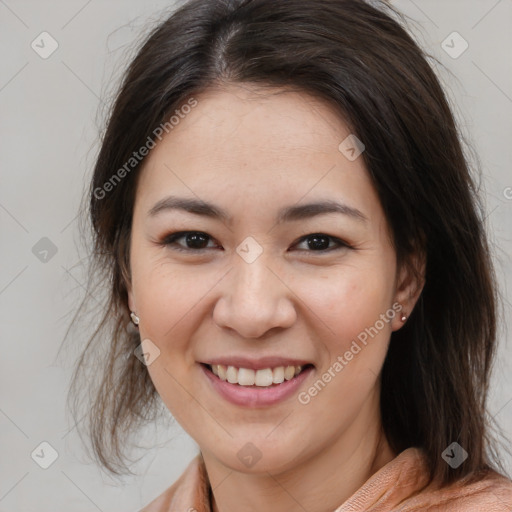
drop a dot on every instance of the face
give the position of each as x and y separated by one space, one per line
257 279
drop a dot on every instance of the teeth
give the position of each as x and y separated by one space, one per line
221 369
232 375
261 378
246 377
278 375
289 372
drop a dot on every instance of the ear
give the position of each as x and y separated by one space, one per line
131 298
409 285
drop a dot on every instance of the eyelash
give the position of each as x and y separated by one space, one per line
170 241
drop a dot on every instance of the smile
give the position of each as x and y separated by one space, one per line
262 378
256 388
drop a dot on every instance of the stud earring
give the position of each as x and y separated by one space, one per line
403 318
135 318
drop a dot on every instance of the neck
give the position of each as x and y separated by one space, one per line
320 483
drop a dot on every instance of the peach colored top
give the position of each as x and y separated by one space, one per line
399 486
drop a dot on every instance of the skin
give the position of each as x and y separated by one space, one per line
253 152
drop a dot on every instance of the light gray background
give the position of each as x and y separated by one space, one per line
49 137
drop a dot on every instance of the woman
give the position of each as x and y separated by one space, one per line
282 206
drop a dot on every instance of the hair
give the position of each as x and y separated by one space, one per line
356 57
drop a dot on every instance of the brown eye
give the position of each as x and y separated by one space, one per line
193 240
319 242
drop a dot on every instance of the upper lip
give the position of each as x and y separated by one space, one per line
257 364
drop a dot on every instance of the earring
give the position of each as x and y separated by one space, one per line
135 318
403 318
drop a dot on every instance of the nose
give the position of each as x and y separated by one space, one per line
254 299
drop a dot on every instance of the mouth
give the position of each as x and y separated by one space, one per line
261 387
262 378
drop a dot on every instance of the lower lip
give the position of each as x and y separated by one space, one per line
256 396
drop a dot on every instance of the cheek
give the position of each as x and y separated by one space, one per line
347 301
349 307
166 295
166 298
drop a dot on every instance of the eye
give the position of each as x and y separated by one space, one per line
195 240
319 242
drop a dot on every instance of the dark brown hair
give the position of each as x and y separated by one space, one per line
358 58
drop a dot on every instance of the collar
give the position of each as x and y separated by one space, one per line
402 481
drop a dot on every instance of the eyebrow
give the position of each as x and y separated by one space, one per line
287 214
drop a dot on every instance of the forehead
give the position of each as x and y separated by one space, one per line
246 117
259 145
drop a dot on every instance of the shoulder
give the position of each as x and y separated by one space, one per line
490 492
188 492
403 485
